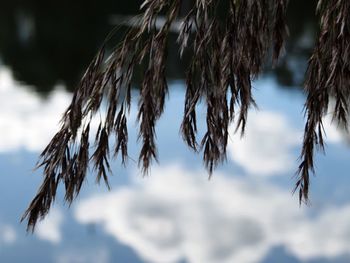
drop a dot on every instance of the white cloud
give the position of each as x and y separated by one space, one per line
100 255
178 214
328 235
26 120
8 234
333 133
266 148
50 228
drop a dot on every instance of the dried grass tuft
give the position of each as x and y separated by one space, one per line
328 75
226 54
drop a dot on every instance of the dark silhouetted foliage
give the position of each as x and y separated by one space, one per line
227 53
328 75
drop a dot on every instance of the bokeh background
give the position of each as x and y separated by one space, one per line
245 213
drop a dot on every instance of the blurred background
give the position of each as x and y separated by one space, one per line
245 213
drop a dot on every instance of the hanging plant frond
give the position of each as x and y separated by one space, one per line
328 75
226 53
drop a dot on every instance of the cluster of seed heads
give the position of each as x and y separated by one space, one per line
226 54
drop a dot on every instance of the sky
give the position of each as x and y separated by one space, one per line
244 213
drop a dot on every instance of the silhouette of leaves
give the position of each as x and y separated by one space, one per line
226 53
328 75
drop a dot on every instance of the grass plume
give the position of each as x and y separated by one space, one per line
226 54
